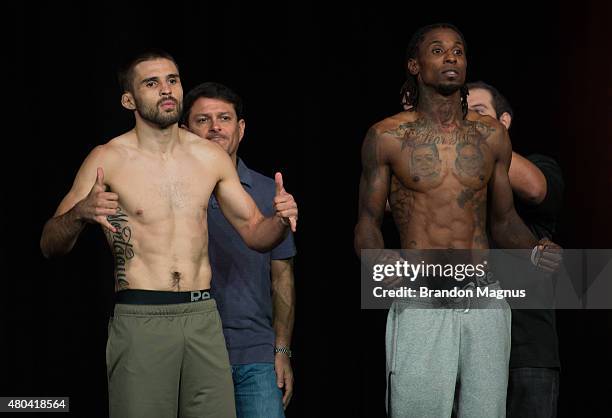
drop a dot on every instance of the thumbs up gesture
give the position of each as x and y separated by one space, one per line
284 204
99 203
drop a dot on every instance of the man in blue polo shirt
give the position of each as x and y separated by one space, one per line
254 291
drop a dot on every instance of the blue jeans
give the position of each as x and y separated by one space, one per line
533 392
257 395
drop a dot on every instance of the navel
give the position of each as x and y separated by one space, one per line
176 279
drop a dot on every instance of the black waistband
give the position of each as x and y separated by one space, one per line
157 297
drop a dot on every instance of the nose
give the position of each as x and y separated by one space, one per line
450 57
165 89
214 125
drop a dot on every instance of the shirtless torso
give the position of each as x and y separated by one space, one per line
443 170
161 240
438 174
149 188
438 177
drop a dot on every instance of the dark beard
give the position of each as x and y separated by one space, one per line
160 118
447 89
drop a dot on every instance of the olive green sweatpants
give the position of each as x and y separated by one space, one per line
168 361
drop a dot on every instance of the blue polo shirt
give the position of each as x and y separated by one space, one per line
241 277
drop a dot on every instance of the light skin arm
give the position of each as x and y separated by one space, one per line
258 232
86 202
526 180
283 300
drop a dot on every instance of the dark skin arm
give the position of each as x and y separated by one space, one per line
507 228
373 190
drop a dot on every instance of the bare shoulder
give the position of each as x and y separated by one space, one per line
486 125
494 133
490 128
115 150
390 132
111 151
200 148
206 152
397 125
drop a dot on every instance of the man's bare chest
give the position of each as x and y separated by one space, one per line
426 158
152 192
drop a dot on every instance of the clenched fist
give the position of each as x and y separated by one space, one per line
547 255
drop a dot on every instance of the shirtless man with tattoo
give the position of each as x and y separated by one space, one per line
149 189
444 170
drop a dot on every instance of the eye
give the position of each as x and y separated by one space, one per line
151 83
201 120
458 52
436 50
226 118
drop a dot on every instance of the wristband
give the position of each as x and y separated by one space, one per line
285 350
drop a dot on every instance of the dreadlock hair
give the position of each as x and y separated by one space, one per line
500 103
409 94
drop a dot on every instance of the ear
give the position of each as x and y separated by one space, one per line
506 119
127 101
241 127
413 66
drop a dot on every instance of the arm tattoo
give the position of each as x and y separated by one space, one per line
372 165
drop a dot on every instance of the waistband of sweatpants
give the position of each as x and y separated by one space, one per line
159 297
169 309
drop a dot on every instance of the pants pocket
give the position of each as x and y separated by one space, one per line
108 342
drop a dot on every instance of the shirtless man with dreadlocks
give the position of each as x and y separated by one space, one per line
445 171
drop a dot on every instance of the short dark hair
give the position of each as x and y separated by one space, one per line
501 105
210 90
125 74
410 92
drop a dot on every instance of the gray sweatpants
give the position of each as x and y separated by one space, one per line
434 355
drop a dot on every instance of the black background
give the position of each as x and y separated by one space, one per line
313 81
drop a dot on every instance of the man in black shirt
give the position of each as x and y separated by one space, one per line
537 184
